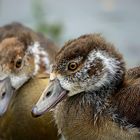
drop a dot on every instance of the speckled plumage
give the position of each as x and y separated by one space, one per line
102 100
95 114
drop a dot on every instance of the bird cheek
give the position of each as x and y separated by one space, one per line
29 65
64 84
74 90
7 68
71 87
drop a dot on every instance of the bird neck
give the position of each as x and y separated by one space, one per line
99 101
40 57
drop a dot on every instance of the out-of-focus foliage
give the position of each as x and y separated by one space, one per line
42 25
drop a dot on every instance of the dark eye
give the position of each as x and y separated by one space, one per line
72 66
18 63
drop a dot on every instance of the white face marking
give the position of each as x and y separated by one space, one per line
110 64
86 83
18 81
70 86
40 55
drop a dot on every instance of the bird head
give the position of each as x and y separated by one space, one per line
19 63
84 65
15 62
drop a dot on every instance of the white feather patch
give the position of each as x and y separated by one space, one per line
110 64
18 81
40 55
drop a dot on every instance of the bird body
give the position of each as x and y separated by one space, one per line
76 122
76 116
97 98
128 98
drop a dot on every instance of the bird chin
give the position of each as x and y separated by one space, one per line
70 94
51 96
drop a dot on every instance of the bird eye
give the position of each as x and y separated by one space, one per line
18 63
72 66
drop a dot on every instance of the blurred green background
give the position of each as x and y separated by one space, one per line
117 20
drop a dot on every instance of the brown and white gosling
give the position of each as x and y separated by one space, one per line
97 100
23 54
24 61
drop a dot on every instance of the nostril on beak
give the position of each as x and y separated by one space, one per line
3 95
34 112
49 93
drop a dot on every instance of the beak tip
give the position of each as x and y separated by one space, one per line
34 112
